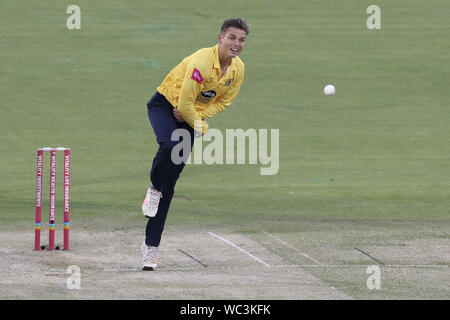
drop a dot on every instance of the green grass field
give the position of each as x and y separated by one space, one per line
368 167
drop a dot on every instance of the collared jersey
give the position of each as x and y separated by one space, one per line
195 87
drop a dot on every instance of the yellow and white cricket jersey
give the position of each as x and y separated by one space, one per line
195 87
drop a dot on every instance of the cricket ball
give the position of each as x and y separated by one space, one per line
329 90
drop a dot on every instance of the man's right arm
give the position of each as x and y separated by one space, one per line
192 85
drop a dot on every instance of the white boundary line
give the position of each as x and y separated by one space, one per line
239 248
292 247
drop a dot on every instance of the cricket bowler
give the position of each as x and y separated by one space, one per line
202 85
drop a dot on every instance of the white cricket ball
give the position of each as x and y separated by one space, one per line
329 90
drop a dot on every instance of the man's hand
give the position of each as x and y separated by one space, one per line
177 115
199 133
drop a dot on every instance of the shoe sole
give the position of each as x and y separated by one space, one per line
148 268
148 217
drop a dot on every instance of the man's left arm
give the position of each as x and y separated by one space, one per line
224 101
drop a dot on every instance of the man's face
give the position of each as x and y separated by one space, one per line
231 42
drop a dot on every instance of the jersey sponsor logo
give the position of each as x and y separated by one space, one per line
206 96
197 76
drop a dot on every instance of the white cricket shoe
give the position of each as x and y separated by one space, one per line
149 257
151 202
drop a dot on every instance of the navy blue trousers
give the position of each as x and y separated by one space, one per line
164 173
